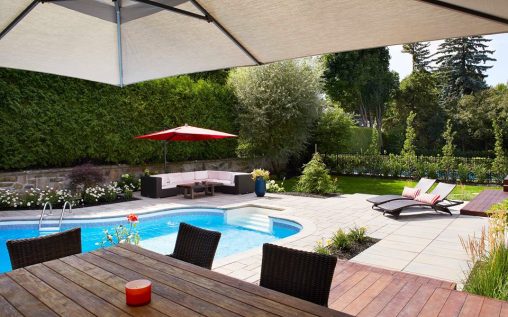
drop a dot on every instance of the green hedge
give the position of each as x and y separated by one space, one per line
360 140
465 170
53 121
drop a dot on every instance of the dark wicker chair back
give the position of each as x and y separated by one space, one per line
25 252
195 245
301 274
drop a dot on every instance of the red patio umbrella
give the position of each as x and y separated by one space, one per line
185 133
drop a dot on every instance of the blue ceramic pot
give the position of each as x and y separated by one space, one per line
260 187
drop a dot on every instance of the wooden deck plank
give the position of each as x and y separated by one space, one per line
418 301
24 302
191 302
79 295
100 289
472 306
482 202
159 303
345 286
173 279
491 308
55 300
356 306
504 310
353 293
375 306
289 301
453 304
7 310
400 299
435 303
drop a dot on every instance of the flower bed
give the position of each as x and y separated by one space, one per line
35 198
346 245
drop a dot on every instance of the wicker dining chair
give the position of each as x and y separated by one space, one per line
195 245
25 252
301 274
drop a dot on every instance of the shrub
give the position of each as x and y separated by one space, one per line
480 173
315 177
127 194
322 248
463 172
84 176
273 187
500 164
128 181
277 107
358 234
341 240
489 255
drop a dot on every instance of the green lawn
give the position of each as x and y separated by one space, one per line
382 186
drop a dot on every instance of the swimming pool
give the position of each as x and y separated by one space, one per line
241 231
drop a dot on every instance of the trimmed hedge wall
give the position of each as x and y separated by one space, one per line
53 121
461 169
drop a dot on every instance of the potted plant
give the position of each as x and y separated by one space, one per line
260 176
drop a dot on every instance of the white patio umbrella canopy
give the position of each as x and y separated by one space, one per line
124 42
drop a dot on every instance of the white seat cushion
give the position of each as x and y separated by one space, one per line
200 175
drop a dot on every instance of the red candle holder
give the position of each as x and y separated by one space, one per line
138 292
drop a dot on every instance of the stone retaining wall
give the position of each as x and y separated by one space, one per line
58 177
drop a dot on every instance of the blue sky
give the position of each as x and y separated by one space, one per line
401 62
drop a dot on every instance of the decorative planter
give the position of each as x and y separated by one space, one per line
260 187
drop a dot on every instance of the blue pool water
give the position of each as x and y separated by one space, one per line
158 232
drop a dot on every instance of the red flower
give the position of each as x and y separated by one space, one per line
132 218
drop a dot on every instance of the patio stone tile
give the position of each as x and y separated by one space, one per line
405 246
435 271
380 261
389 252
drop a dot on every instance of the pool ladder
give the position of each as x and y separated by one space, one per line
67 205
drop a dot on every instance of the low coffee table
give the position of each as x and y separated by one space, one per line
191 188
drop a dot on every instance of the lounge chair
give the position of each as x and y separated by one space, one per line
423 185
195 245
442 204
25 252
306 275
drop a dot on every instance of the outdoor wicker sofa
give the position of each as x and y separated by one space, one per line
165 185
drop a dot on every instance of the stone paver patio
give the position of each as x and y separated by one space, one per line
420 242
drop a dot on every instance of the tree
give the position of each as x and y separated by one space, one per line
277 107
333 129
500 164
361 82
448 161
409 148
374 146
418 93
420 55
462 66
315 177
474 115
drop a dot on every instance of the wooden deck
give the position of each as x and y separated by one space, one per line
361 290
92 284
481 203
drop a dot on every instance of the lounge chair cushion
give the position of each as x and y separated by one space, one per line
410 192
430 199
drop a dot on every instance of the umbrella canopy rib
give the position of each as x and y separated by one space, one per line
225 31
18 18
461 9
176 10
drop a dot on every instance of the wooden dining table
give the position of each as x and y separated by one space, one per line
93 284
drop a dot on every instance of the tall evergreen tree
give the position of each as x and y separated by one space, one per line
420 55
462 63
